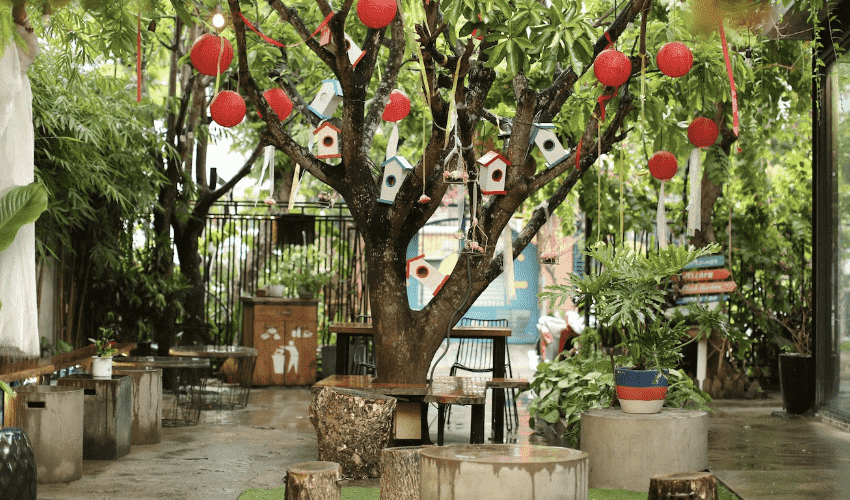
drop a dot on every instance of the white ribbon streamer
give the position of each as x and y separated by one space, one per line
507 255
661 219
695 205
392 145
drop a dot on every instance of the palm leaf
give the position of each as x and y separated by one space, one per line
20 206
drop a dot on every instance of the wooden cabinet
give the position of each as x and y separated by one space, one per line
284 333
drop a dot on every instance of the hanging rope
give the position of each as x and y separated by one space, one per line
275 42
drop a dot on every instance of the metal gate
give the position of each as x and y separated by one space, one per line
242 242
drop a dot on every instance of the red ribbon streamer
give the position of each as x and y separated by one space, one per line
601 100
578 155
731 81
275 42
610 42
139 58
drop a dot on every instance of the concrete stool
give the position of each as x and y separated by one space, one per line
147 403
107 415
502 472
627 449
53 419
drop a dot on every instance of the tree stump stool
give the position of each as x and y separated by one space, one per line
352 427
314 481
400 473
683 486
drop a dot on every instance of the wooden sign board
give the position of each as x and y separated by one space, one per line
707 261
702 299
712 287
706 275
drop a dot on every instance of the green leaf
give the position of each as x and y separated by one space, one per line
20 206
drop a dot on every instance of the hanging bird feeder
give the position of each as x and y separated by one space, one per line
211 54
674 59
612 68
227 108
550 249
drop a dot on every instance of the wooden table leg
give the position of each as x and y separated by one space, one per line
476 433
499 346
441 422
342 342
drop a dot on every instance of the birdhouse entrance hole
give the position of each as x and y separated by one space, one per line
422 272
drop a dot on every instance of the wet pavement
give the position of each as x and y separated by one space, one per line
756 454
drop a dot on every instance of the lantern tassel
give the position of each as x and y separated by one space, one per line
392 145
695 205
661 219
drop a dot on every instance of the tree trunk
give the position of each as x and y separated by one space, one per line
313 481
400 473
186 240
683 486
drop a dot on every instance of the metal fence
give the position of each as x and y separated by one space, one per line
244 243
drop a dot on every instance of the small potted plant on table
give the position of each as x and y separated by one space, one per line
101 364
630 295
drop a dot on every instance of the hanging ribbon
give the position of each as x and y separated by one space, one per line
731 81
508 256
392 144
695 205
139 56
296 182
578 155
661 219
218 65
602 100
275 42
268 158
461 216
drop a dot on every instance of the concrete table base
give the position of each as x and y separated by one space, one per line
53 419
147 403
627 449
503 472
108 418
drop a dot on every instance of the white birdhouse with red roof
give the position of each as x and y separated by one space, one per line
327 100
355 54
425 273
327 138
543 135
492 178
395 170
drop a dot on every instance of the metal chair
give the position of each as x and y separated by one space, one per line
476 355
363 360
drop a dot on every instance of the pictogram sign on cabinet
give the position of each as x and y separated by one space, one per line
284 333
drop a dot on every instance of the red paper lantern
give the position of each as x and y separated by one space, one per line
663 165
703 132
205 53
612 68
227 108
398 107
279 101
376 13
674 59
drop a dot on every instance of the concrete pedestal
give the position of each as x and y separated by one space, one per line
107 415
147 404
53 419
627 449
503 472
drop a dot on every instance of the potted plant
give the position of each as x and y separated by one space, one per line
796 368
630 295
101 364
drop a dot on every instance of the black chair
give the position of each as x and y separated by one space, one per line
363 354
476 355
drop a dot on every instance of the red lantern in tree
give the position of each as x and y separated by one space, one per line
279 101
674 59
205 54
398 107
612 68
703 132
376 13
663 165
227 108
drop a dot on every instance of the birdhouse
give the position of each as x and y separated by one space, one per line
327 137
425 273
544 137
492 178
327 100
354 51
395 170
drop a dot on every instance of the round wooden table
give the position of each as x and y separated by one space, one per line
229 387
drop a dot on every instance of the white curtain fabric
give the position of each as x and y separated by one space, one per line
19 314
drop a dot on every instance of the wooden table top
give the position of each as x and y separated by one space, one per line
213 351
10 372
458 331
365 383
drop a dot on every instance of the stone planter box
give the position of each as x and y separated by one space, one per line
107 415
147 404
53 419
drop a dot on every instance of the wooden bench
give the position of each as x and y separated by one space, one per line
459 391
40 367
520 384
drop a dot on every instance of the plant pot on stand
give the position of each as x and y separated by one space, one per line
101 368
795 379
640 391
